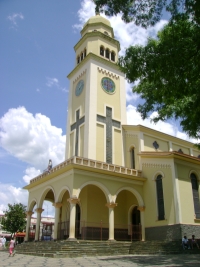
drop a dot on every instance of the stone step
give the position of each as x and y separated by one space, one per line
95 248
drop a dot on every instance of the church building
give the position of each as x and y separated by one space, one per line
118 181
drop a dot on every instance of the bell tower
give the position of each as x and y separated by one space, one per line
97 100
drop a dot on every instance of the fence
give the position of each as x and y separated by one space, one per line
100 231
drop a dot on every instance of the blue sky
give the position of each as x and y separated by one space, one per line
36 54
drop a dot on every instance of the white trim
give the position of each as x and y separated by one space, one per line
133 191
44 193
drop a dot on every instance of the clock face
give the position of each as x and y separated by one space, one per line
108 85
79 87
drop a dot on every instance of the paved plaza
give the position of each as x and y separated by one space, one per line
20 260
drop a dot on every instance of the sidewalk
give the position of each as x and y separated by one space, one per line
20 260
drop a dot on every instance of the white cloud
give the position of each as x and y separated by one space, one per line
126 33
10 194
15 17
30 173
134 118
31 139
53 82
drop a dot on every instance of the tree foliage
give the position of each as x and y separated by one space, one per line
15 218
168 68
148 12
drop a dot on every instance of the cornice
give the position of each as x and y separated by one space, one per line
97 34
80 75
156 165
95 57
108 73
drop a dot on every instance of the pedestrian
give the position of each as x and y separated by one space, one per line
11 247
4 242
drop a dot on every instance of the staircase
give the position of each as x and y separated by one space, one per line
62 249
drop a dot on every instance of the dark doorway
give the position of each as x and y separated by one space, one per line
136 226
78 218
135 216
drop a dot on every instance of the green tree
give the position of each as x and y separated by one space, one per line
15 218
168 68
148 12
169 73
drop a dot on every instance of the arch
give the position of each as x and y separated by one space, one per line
78 59
158 173
82 56
32 204
101 186
45 191
195 172
62 192
85 52
102 50
134 192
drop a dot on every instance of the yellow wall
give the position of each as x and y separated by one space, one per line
184 149
131 141
78 101
82 140
117 147
100 142
148 144
125 200
71 153
150 198
112 100
185 188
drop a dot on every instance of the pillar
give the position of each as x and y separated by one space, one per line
142 209
28 222
72 221
57 206
39 211
111 207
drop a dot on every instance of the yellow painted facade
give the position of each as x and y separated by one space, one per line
129 181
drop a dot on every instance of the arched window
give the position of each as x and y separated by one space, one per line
107 53
102 51
84 53
195 193
160 198
132 158
113 56
78 60
81 56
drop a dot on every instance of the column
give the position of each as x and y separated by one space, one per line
28 222
39 211
142 209
57 206
72 221
170 146
111 207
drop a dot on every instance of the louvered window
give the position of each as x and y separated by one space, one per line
160 198
195 193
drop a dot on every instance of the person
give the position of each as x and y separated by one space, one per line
185 242
49 165
194 241
4 242
1 242
11 247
